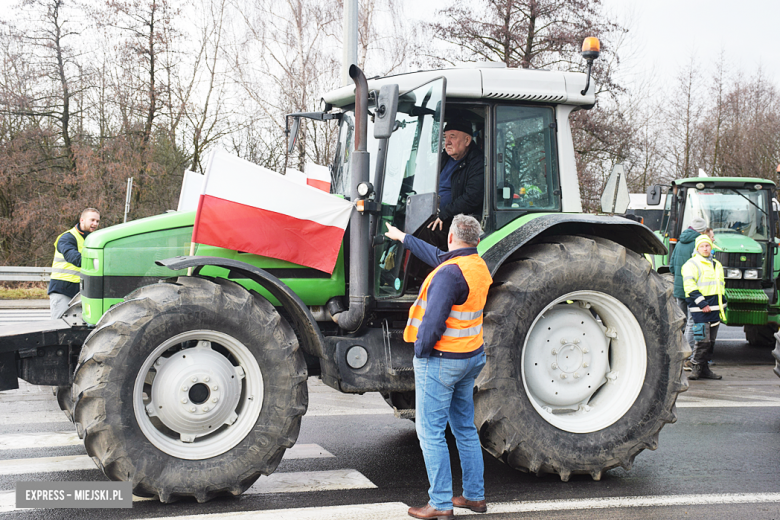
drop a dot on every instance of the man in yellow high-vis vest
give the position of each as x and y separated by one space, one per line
66 268
705 289
445 325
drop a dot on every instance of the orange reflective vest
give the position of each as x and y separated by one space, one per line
464 324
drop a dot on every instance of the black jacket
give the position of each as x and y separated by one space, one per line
468 185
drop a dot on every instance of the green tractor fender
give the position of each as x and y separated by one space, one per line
304 323
501 245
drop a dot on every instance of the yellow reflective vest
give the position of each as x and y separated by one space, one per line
463 331
61 269
705 276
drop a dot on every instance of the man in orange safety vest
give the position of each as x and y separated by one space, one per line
445 325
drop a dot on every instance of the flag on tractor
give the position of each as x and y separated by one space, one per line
245 207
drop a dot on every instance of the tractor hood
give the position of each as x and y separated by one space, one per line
736 243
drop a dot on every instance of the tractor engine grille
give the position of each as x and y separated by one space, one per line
752 261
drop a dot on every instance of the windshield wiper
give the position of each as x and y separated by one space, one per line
750 201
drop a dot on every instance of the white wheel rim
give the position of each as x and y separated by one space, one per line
200 401
586 385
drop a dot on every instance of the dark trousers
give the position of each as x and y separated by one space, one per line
703 352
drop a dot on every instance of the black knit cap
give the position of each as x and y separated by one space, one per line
458 124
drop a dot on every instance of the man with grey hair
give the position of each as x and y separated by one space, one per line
445 325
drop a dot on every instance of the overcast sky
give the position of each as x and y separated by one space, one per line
666 33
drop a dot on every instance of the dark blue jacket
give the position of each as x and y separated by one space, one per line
447 288
69 248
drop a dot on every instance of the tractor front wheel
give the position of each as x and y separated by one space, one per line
190 388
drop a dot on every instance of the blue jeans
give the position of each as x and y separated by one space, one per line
444 391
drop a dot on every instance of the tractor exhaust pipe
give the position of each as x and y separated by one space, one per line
352 318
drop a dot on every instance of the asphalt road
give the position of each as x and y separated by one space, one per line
355 460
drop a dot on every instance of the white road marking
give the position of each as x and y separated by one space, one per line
292 482
721 403
46 465
21 441
381 511
625 502
305 481
84 462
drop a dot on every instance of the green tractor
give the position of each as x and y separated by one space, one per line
186 374
741 214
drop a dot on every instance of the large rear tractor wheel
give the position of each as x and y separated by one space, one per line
584 358
190 388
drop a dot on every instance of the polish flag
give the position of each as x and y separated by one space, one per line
317 176
245 207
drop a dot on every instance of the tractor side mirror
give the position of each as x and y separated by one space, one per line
292 134
386 109
654 195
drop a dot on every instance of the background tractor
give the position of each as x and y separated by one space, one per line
741 213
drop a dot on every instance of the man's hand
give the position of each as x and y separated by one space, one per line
393 233
706 308
437 222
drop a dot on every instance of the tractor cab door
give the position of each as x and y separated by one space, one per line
409 189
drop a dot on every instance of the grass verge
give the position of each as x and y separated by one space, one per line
23 290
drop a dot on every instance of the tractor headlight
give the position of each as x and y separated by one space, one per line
365 188
733 274
95 263
751 274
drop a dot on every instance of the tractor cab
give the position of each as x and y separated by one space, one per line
518 140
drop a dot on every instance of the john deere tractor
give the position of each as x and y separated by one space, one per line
740 212
187 374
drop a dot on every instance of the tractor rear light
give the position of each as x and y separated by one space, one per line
360 205
751 274
733 274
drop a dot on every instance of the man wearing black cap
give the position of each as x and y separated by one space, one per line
461 189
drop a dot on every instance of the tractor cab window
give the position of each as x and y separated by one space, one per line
411 168
526 159
730 211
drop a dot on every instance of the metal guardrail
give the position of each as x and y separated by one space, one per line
24 274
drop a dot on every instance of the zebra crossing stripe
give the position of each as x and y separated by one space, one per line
83 462
46 465
292 482
60 439
380 511
38 440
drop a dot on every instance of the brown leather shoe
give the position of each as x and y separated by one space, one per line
478 506
429 512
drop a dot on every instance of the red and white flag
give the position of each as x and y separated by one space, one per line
317 176
249 208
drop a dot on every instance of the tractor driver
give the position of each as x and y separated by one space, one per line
461 190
